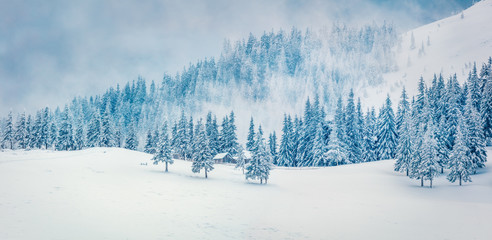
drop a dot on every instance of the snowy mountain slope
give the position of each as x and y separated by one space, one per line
105 193
455 43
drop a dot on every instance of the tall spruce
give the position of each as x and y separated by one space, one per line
285 150
163 149
386 143
251 135
404 152
202 156
260 165
460 163
9 132
475 139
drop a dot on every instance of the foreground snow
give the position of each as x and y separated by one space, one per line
106 193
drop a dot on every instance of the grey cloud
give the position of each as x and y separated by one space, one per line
51 51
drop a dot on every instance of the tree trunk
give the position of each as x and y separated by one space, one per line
431 183
460 180
266 180
261 180
206 173
421 181
442 169
166 166
407 172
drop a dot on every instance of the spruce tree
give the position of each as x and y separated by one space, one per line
131 141
319 150
404 152
30 137
79 137
94 130
65 133
351 129
460 162
475 139
272 145
21 131
429 167
260 164
486 109
337 153
107 129
251 136
182 138
285 150
149 145
369 152
202 157
403 108
386 142
9 132
163 150
190 136
241 158
45 128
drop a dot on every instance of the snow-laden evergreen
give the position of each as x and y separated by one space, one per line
461 164
404 152
202 155
163 150
386 136
337 153
260 165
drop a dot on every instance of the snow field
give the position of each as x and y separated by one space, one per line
105 193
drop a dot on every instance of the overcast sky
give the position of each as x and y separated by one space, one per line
51 51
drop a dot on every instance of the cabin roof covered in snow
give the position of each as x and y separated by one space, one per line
220 155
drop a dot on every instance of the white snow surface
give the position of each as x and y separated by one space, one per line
106 193
455 44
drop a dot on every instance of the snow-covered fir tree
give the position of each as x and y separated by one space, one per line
486 108
9 132
190 138
94 130
272 147
369 152
460 162
202 155
149 143
131 141
352 131
319 150
403 108
337 153
404 152
386 137
285 150
106 138
251 136
260 165
65 132
475 139
428 168
241 158
21 131
163 150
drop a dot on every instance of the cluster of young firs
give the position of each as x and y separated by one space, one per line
200 144
445 126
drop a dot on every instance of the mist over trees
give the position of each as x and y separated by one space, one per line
332 130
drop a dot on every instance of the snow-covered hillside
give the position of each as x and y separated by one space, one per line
105 193
450 46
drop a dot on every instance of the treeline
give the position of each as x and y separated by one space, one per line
447 125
